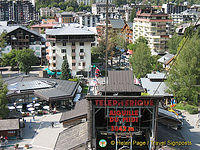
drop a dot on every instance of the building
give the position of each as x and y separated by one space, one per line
49 12
127 32
166 60
189 15
88 19
173 8
10 128
72 41
155 27
19 37
55 92
65 17
151 83
21 12
100 9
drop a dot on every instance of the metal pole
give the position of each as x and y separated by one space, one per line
116 141
131 146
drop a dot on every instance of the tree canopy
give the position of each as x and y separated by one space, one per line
141 60
173 43
3 100
184 75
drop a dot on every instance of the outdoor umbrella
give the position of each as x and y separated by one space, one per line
31 109
11 107
46 69
19 107
59 73
37 104
29 105
46 107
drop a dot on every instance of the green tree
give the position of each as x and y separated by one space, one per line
133 14
141 59
3 100
185 73
119 2
173 43
9 59
66 74
26 59
3 43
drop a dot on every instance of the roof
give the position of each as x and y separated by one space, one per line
121 81
9 29
43 25
72 138
44 88
9 124
152 86
70 29
166 58
156 75
81 109
117 24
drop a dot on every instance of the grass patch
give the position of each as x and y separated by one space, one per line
190 108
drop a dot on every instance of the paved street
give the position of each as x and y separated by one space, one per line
190 131
39 133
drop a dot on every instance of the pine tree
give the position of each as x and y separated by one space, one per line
66 74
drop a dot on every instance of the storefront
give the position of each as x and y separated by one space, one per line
122 122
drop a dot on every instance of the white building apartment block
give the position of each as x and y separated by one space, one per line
72 41
154 27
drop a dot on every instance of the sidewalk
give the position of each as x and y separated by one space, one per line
39 133
190 131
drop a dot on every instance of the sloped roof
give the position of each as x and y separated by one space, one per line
120 81
166 58
156 75
117 24
81 109
72 138
9 124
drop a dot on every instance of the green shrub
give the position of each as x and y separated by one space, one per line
190 108
75 79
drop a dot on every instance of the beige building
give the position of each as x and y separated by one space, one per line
72 41
153 26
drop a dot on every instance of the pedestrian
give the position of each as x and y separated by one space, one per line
52 124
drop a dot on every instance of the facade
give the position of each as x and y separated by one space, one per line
127 32
173 8
189 15
19 37
18 11
48 12
65 17
153 26
88 19
72 41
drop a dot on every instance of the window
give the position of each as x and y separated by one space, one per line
81 43
81 57
63 50
27 37
64 57
54 58
64 43
92 44
83 63
81 50
73 64
79 64
11 132
54 44
54 65
54 51
73 50
73 57
73 43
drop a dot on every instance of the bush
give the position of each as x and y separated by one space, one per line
190 108
75 79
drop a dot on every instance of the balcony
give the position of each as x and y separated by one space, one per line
82 54
73 60
54 61
81 67
73 67
73 47
54 54
47 50
73 54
